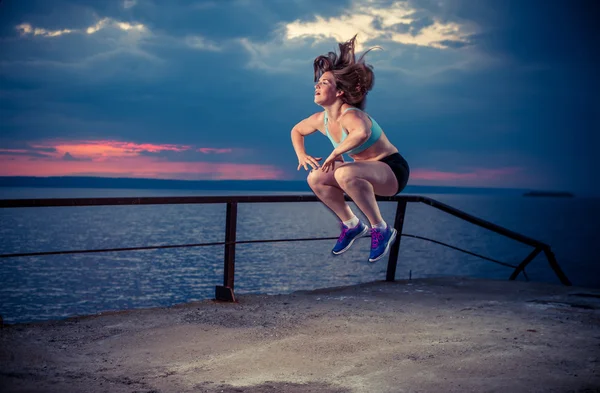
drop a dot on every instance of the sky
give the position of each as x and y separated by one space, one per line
478 93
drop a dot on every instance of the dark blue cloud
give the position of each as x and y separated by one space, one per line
51 15
216 19
528 91
27 154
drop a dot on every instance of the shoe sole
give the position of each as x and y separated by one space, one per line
362 234
387 248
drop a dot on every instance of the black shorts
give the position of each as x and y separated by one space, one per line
399 167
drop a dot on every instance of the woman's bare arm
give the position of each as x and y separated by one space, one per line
299 131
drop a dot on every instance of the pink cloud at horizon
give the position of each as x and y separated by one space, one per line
116 158
126 159
141 166
152 167
103 149
474 176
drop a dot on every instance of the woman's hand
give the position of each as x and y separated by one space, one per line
305 160
330 161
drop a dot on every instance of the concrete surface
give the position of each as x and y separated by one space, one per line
429 335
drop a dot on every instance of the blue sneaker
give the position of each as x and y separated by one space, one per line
348 236
381 241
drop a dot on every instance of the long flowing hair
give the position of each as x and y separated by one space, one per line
354 77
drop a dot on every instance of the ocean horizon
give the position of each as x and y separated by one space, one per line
93 182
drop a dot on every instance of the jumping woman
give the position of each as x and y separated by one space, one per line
378 168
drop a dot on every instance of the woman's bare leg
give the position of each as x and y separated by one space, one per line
362 181
330 193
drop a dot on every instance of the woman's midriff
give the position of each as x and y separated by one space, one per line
382 148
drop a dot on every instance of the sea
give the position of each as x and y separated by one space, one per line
54 287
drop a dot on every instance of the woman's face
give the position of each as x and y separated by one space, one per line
325 90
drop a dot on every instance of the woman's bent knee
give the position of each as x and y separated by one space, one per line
315 177
343 175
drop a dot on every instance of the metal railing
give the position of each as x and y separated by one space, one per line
225 291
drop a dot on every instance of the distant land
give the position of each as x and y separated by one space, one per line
217 185
562 194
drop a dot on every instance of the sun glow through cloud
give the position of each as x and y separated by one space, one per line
27 29
372 21
416 42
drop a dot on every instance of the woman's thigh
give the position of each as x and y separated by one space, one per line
378 173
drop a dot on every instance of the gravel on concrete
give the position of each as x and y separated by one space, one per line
427 335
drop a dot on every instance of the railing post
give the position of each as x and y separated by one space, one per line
554 265
225 292
398 224
525 262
